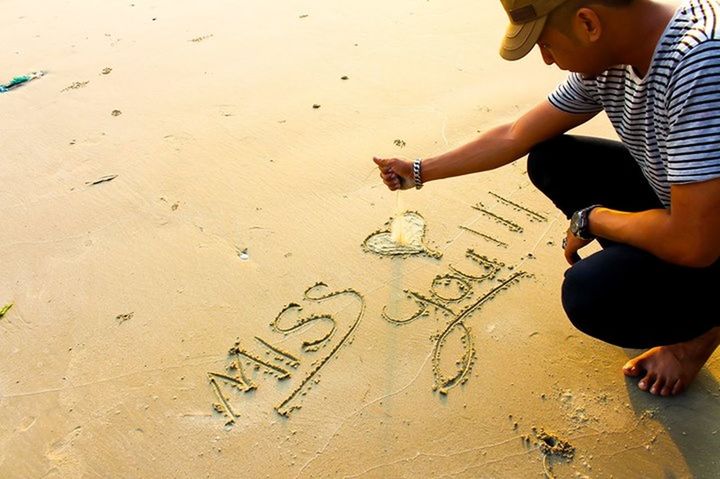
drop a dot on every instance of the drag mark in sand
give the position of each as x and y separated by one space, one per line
402 236
201 38
75 86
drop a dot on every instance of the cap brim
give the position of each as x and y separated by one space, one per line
520 39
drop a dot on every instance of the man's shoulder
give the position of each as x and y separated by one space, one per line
696 24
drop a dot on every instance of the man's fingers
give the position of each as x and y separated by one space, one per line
389 172
382 163
571 245
389 176
572 256
391 180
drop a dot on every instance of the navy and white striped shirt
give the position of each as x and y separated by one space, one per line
669 120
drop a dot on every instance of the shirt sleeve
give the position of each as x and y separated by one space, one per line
574 95
693 103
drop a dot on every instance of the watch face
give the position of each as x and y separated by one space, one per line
575 223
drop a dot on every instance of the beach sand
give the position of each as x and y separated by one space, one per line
186 173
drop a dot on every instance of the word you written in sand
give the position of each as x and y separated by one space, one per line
457 295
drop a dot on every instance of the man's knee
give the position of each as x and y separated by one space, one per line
542 160
586 303
575 298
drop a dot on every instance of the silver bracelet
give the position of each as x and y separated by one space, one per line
416 174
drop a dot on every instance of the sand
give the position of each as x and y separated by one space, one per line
187 172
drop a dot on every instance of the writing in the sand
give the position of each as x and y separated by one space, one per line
456 295
275 361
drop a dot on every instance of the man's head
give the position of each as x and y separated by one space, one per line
568 23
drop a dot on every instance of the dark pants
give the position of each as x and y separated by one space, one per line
621 294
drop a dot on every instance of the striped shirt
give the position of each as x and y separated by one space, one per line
669 120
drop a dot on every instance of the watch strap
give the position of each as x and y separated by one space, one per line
583 223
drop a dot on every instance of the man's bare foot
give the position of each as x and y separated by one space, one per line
669 370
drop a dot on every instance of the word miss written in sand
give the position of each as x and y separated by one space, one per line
246 363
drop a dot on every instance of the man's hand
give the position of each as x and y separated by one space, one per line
571 245
396 173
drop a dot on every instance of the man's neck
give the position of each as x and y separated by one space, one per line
639 32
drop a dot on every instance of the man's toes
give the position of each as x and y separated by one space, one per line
667 390
632 368
678 387
646 383
657 386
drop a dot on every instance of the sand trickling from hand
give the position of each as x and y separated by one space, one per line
399 228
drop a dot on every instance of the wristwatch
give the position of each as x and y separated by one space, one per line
579 224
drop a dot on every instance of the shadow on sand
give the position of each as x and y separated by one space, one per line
692 421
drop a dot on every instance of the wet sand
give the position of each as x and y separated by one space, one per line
185 196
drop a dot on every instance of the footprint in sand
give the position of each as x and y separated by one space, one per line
404 236
60 449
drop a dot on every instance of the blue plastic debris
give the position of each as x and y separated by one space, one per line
20 80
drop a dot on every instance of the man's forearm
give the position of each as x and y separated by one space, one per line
687 233
491 150
652 231
503 144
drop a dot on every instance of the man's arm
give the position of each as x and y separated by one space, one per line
687 234
503 144
494 148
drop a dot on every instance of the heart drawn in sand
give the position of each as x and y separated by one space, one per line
403 237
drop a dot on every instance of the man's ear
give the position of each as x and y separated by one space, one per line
587 25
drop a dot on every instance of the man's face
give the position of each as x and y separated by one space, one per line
568 53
